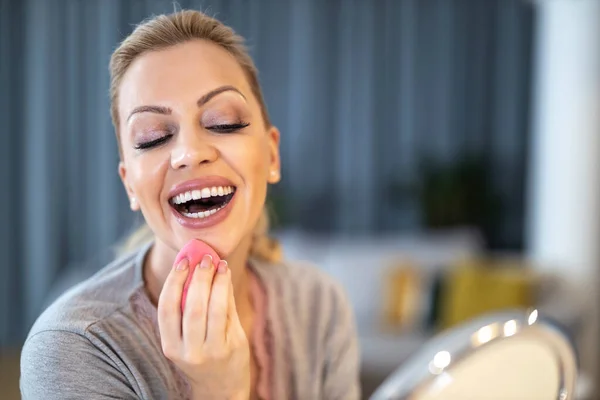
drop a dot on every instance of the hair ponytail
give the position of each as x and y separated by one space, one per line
265 247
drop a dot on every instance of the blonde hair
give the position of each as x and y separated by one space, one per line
164 31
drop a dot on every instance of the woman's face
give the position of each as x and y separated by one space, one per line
197 156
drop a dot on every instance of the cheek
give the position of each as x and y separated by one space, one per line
147 177
248 156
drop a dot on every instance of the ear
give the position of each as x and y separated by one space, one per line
274 160
133 203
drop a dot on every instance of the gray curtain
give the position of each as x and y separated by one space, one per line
361 90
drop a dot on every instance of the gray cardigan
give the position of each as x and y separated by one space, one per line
92 344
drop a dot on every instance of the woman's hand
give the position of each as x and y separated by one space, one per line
207 342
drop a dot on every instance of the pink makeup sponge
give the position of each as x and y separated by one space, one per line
194 250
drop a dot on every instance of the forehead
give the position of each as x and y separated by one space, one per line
179 74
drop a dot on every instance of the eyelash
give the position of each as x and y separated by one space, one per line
225 128
228 128
153 143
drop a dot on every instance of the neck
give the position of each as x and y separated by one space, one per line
160 260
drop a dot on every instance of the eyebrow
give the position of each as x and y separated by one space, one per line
201 101
151 109
208 96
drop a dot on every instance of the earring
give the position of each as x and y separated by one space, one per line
274 174
133 204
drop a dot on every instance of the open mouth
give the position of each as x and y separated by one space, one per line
202 203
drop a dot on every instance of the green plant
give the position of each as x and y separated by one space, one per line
453 194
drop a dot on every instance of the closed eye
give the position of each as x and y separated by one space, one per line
227 128
153 143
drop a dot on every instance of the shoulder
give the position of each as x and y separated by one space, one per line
70 341
60 364
311 315
92 300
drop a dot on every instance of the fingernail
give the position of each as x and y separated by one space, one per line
222 268
181 265
206 261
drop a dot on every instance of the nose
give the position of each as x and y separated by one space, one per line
191 149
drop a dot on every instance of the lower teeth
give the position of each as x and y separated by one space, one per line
201 214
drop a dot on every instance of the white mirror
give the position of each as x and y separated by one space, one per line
510 355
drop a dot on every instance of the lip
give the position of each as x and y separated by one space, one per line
202 223
206 222
199 183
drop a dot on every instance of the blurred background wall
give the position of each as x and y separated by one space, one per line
425 132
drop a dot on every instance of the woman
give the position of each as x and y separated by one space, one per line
197 153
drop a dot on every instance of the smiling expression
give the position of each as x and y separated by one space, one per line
197 154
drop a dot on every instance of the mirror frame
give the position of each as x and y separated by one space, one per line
456 344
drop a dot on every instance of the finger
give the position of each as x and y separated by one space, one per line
169 309
218 306
235 331
194 315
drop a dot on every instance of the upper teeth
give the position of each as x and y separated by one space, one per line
202 194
